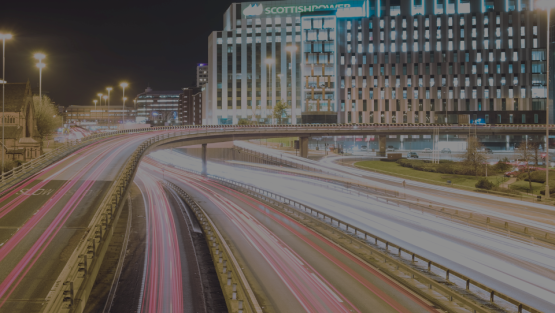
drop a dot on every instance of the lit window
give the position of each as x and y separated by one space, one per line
474 93
393 48
359 48
491 81
342 60
461 46
415 35
498 32
522 31
479 81
535 30
371 48
404 35
515 56
473 68
393 35
479 57
491 57
486 20
515 80
462 94
498 44
535 43
382 47
415 46
415 22
503 56
462 32
474 44
474 20
427 34
522 43
455 81
461 22
382 24
503 80
486 32
427 46
523 92
467 81
427 22
486 93
498 96
510 31
348 71
486 68
393 23
438 46
474 33
511 95
510 43
450 47
498 20
486 44
450 21
353 59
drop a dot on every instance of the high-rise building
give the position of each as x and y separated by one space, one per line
378 61
192 106
202 74
158 108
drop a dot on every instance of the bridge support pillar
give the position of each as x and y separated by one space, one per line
203 157
382 142
303 142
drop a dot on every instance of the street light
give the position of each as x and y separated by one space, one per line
99 98
547 5
109 89
40 65
3 37
123 85
292 49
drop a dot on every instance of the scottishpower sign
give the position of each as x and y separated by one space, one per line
259 9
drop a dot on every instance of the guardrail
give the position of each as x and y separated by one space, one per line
391 256
227 267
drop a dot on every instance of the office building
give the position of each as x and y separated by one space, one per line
159 108
202 74
191 109
397 61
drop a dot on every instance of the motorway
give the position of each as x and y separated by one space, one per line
290 267
511 265
43 218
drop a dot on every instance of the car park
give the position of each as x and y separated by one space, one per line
427 150
412 155
445 150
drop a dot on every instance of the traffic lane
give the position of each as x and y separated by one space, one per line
163 289
333 267
27 281
364 287
193 295
422 237
522 210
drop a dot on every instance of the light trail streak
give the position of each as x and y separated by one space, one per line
163 291
262 239
523 270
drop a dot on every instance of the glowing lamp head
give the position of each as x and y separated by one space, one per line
105 97
99 94
5 36
124 98
41 65
270 61
109 88
123 85
39 56
95 101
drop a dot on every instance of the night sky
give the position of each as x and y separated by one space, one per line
91 45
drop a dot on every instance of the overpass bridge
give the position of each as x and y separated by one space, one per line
57 212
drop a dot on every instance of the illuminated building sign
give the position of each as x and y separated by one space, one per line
259 9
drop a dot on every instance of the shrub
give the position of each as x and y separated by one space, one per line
484 183
445 168
551 191
501 167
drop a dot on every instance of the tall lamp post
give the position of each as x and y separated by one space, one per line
109 89
547 5
292 49
40 65
3 37
270 62
123 85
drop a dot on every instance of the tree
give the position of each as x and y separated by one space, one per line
46 115
280 111
474 157
529 152
256 114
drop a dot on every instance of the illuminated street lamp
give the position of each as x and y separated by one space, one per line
109 89
99 98
547 5
40 65
123 85
3 82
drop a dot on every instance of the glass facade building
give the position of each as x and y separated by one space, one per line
378 61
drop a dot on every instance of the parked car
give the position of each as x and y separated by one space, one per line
427 150
445 150
412 155
488 151
390 148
